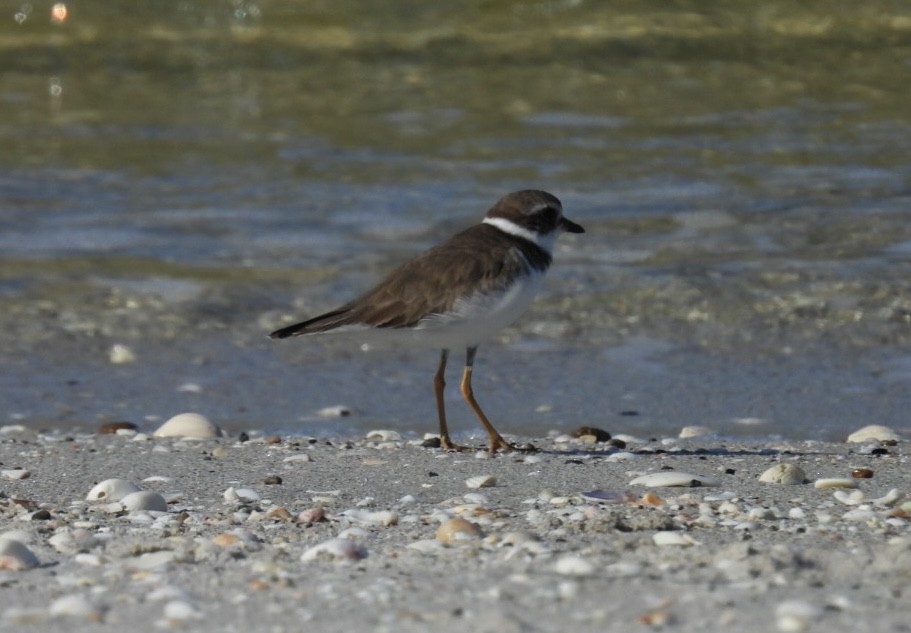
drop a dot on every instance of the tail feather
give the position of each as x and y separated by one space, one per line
322 323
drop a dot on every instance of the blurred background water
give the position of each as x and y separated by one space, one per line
181 178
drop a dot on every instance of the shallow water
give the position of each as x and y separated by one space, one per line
183 181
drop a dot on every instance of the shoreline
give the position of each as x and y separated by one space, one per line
354 537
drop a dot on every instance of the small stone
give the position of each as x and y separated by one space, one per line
311 515
786 474
75 606
242 495
272 439
181 611
383 435
794 616
121 355
339 549
384 518
862 473
110 428
16 473
695 431
594 433
458 529
15 555
188 425
272 480
874 432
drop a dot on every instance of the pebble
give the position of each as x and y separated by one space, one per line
672 478
311 515
383 435
76 606
120 354
109 428
591 434
874 432
188 425
338 549
786 474
15 555
862 473
481 481
695 431
458 529
335 411
111 490
181 611
794 616
15 473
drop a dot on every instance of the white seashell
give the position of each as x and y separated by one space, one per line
335 549
794 616
873 433
669 537
481 481
787 474
622 456
181 610
674 478
70 542
890 498
299 457
188 425
695 431
15 555
572 565
475 498
90 560
9 429
121 354
367 518
112 490
243 495
16 473
835 482
383 435
144 501
458 529
75 606
863 513
853 498
426 546
796 513
153 560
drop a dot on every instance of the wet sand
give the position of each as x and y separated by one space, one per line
561 539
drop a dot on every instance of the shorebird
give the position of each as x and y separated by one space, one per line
458 293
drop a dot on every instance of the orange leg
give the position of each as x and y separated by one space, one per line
496 441
439 383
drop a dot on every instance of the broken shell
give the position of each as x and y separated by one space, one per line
311 515
572 565
835 482
335 549
243 495
793 616
458 529
367 518
77 607
874 433
188 425
695 431
144 500
674 478
670 537
15 555
890 498
853 498
787 474
112 490
383 435
16 473
481 481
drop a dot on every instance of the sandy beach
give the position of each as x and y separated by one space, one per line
279 534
